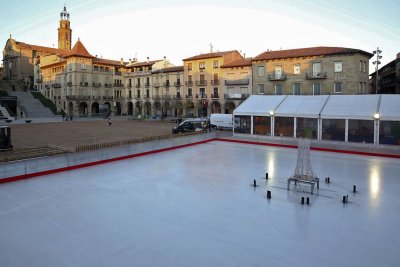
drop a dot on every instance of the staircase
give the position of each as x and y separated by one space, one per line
4 115
31 106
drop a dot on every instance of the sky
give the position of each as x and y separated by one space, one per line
178 29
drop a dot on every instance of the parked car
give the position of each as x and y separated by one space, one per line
190 125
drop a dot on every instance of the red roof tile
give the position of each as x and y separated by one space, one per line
170 69
238 63
210 55
310 51
79 50
143 64
44 49
107 62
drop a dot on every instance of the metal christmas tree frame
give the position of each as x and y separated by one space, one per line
303 172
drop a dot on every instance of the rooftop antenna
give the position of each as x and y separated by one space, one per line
211 48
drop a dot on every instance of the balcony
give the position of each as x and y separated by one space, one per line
237 82
129 86
189 96
315 75
39 80
118 73
146 85
201 83
108 85
166 84
189 83
201 96
135 73
107 97
177 84
47 86
177 97
96 84
119 97
96 97
156 84
277 77
214 82
215 95
235 96
84 84
118 85
137 96
137 85
56 85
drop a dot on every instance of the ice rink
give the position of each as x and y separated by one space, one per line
196 206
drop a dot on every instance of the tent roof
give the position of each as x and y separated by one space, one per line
359 107
307 106
259 105
389 108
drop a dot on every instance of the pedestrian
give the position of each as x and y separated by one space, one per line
21 114
63 116
109 122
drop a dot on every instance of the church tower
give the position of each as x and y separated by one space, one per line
64 31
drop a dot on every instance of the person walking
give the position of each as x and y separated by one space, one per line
109 122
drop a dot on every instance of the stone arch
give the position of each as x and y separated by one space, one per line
83 108
94 108
130 108
229 107
216 107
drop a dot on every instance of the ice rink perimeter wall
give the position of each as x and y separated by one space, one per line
23 169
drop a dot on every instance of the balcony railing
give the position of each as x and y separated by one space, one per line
237 82
118 73
137 96
189 96
56 85
84 84
189 83
201 96
39 80
277 77
201 83
214 82
315 75
157 84
166 84
137 85
96 84
69 84
177 84
108 97
120 97
47 86
108 85
236 96
215 95
146 84
118 85
96 97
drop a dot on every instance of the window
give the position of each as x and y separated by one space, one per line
316 89
190 78
202 65
83 66
215 64
296 89
278 72
278 89
316 69
364 66
202 92
338 66
189 67
261 71
337 87
361 65
296 69
261 89
189 91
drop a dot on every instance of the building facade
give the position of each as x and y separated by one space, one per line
311 71
236 83
388 78
203 88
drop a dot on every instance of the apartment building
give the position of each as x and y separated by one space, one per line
311 71
236 85
388 78
203 88
145 89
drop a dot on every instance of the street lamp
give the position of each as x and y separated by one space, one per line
377 52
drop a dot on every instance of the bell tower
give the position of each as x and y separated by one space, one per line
64 31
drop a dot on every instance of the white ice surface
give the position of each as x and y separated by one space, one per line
196 207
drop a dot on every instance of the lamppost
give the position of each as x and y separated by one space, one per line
377 52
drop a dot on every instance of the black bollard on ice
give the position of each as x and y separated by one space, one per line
266 175
268 194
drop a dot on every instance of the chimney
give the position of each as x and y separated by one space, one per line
130 61
148 59
122 60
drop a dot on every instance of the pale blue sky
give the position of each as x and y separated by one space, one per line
179 29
